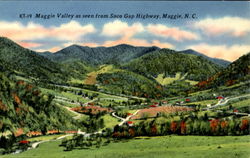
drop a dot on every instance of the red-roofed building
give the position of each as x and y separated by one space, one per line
220 97
235 110
130 123
152 106
24 142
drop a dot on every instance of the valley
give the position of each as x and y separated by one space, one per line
169 143
140 101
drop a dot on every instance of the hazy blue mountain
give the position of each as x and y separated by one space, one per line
221 62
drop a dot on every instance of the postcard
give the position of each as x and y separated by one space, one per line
124 79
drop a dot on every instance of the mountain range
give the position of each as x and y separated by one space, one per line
117 54
99 55
138 65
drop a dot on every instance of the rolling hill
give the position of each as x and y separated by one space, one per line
27 63
238 71
119 81
169 62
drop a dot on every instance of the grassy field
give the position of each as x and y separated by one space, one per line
204 102
65 95
242 103
90 92
239 104
110 121
104 99
154 147
110 101
167 80
192 82
42 138
103 95
91 77
65 104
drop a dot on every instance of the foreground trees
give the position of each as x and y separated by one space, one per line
85 142
214 127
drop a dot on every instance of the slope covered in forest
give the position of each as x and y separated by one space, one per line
24 107
170 62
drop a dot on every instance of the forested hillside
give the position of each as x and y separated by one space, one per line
170 62
24 107
238 71
29 64
129 83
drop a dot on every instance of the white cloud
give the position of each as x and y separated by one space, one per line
68 31
126 33
229 53
119 28
72 30
234 26
171 32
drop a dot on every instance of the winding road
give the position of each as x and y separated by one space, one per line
78 115
124 120
225 101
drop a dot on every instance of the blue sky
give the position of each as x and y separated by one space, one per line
219 29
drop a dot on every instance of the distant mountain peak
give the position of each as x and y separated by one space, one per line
221 62
123 45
